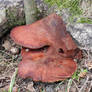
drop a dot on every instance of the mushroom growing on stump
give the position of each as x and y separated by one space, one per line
48 50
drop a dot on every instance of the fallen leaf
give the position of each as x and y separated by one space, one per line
89 64
6 45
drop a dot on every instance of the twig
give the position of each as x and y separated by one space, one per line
76 85
84 84
90 86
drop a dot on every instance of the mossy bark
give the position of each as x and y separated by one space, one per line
18 15
14 17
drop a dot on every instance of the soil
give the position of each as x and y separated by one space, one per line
9 62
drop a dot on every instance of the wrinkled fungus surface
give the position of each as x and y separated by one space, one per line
48 50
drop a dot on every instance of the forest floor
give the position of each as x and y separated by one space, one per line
10 57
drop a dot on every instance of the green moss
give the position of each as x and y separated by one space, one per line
14 17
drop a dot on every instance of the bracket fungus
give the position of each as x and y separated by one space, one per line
48 50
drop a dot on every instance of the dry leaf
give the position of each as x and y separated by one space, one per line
14 50
89 64
7 45
83 73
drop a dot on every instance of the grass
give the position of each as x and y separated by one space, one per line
69 85
75 75
72 5
85 20
13 80
74 8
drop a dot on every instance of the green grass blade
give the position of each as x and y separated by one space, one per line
12 81
68 85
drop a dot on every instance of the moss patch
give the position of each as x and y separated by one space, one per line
15 17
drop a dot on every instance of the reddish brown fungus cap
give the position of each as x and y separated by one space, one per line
50 50
50 69
49 31
45 66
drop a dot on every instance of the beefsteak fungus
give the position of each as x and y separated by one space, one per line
48 50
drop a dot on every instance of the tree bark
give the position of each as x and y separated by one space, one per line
30 11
